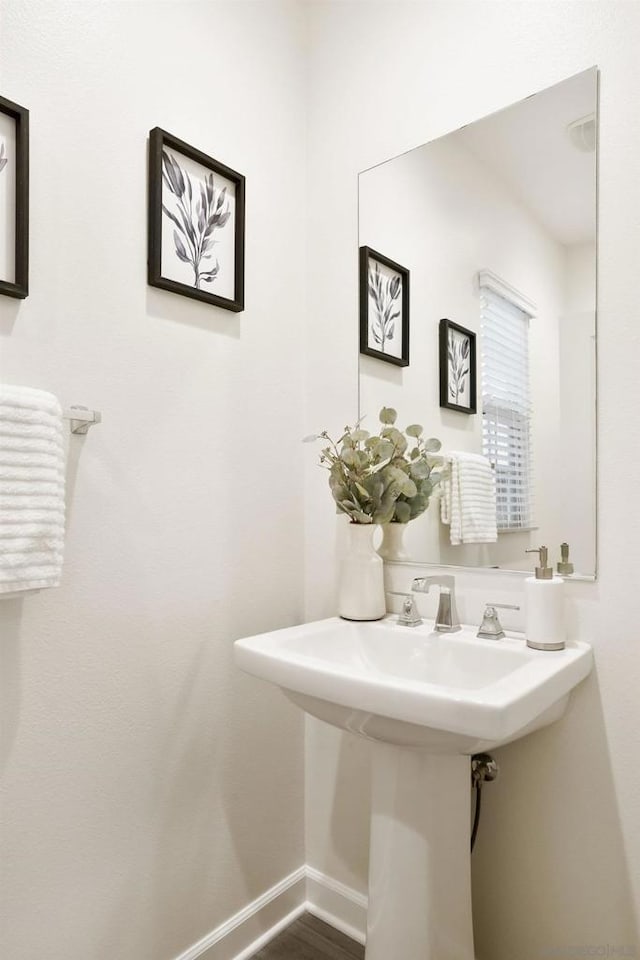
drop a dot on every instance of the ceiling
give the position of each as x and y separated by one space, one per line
528 147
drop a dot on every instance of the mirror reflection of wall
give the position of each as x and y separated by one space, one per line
496 223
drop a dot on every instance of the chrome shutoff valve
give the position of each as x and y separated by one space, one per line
484 769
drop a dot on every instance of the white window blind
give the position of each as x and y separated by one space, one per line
506 407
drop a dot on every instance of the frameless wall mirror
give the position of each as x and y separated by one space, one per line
496 225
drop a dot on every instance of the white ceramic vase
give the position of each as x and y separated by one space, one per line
361 591
392 546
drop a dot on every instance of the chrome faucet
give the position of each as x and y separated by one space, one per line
447 620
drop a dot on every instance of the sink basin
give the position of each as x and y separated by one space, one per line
427 700
448 693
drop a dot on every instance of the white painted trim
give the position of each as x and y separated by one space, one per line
272 932
306 889
490 280
336 904
243 934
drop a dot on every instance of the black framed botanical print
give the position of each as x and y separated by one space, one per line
457 367
384 308
14 199
196 223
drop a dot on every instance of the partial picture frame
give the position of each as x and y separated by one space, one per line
196 228
14 200
384 308
457 367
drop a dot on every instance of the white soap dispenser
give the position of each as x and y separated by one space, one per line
544 597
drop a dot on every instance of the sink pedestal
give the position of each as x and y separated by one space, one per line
420 867
425 700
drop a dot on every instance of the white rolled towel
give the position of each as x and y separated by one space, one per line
468 499
32 479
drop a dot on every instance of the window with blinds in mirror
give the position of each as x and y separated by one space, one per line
506 406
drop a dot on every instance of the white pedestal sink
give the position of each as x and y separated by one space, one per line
428 701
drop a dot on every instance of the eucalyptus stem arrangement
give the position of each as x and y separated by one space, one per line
384 477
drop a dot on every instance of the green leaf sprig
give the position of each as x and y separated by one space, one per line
384 477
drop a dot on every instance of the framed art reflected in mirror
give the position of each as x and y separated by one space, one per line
384 308
457 367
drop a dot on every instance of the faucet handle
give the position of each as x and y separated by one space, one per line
491 628
409 616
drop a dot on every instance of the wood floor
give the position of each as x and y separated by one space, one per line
310 939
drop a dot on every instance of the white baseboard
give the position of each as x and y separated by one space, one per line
243 934
306 889
336 904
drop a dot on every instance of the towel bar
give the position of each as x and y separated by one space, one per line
81 418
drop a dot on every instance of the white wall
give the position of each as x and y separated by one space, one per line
150 789
558 860
450 216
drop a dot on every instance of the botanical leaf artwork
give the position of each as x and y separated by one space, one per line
3 160
199 210
458 366
384 292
